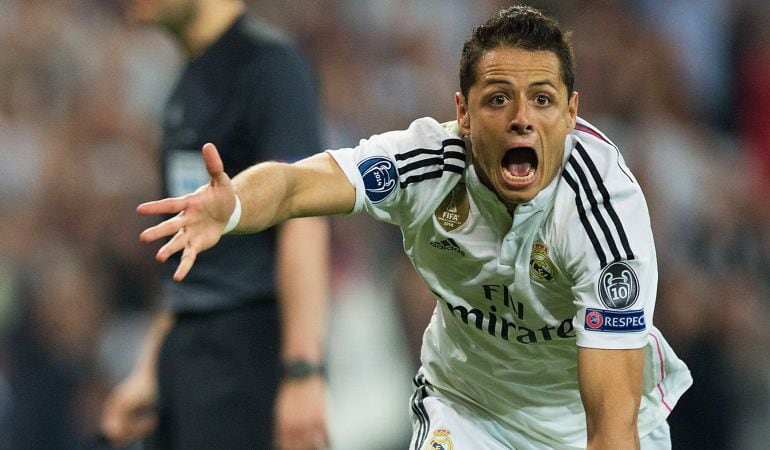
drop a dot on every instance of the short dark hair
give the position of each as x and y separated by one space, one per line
521 27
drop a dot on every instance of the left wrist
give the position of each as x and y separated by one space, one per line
235 217
301 369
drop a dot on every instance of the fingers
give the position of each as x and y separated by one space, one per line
186 262
175 244
165 206
300 415
163 229
188 246
141 427
124 431
213 161
199 219
112 423
180 241
124 421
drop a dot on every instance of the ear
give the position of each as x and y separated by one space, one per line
573 109
463 118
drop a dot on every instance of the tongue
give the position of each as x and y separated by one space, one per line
519 169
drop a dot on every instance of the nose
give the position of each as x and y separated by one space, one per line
520 122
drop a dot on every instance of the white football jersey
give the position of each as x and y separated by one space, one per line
576 266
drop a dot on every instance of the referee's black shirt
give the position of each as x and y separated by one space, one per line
253 95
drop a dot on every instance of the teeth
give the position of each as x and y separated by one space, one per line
530 175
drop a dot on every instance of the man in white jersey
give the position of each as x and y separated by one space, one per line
528 227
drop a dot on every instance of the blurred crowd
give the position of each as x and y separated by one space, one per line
682 86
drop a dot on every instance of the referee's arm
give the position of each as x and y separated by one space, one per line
303 291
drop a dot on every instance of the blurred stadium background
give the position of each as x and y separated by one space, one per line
683 86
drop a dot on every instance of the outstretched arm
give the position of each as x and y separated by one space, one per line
270 193
273 192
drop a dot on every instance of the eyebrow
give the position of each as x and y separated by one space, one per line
491 81
543 82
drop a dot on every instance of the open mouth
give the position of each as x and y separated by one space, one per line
519 165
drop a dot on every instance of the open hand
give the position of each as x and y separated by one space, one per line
129 412
200 216
300 415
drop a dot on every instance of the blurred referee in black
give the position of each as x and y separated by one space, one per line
234 357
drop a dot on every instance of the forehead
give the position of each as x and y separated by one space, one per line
154 3
511 64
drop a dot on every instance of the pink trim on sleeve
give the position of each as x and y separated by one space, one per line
662 372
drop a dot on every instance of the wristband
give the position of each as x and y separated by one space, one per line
235 217
300 369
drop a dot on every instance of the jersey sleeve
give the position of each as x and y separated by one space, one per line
608 249
401 176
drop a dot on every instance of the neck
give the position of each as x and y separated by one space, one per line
485 181
211 20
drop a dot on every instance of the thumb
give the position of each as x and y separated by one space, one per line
213 161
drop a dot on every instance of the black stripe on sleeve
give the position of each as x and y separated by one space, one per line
422 177
430 175
607 203
418 152
420 412
595 208
457 142
420 164
434 151
440 160
584 218
454 155
433 162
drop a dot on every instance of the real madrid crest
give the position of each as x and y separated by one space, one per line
440 440
541 268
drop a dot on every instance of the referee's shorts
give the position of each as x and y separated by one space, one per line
218 375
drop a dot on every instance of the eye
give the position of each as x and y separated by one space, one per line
542 100
498 100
